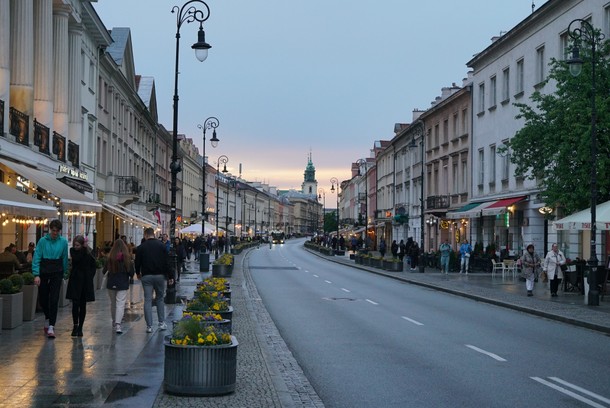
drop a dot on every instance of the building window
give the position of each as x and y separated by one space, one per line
492 163
564 47
505 84
481 166
481 104
464 121
520 76
455 125
492 92
446 131
464 175
506 163
540 65
436 135
606 29
455 178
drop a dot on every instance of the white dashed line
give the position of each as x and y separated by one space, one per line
345 290
571 393
327 281
412 321
371 302
487 353
315 276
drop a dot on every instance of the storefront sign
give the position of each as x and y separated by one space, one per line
72 172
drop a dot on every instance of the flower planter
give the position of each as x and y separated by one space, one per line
392 266
224 325
30 296
226 314
222 271
12 310
200 370
375 263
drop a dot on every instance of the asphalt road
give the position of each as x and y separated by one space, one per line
368 341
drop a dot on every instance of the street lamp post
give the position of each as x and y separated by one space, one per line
322 196
221 160
334 181
419 131
362 162
210 123
188 13
585 32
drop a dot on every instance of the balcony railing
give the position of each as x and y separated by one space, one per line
73 154
41 137
437 202
129 185
59 146
20 126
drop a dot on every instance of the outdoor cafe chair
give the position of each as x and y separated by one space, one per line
497 267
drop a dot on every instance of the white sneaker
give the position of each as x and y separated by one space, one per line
148 329
162 326
118 329
51 332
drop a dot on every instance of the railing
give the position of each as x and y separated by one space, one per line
19 126
437 202
59 146
129 185
73 154
41 137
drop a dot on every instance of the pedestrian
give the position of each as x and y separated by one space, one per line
153 270
341 243
197 246
465 252
394 249
9 257
414 254
382 247
165 240
445 250
49 263
80 283
29 254
354 244
180 256
552 266
530 262
119 268
401 250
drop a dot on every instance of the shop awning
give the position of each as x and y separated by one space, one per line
500 206
128 215
70 199
15 202
469 210
582 220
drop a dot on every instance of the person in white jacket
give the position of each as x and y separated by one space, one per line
552 266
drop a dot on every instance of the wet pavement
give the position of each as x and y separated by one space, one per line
106 369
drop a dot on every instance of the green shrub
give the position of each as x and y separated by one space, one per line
17 282
10 285
28 278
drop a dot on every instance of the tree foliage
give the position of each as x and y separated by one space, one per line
330 222
554 145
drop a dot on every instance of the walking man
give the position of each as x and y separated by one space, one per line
445 250
153 269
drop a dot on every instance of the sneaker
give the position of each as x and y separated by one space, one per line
46 326
162 326
529 293
118 329
148 329
51 332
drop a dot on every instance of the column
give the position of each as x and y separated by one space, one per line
5 60
61 15
74 85
43 61
22 56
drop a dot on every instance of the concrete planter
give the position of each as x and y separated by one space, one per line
224 325
12 310
30 297
392 266
200 371
222 271
227 314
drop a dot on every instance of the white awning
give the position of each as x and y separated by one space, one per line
70 199
128 215
15 202
582 219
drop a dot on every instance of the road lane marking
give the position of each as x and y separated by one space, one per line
371 302
487 353
568 392
412 321
581 390
327 281
315 276
345 290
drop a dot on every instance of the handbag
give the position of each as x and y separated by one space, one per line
544 276
563 267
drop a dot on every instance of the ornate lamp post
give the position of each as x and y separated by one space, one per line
334 182
583 32
188 13
210 123
419 132
362 162
322 196
221 160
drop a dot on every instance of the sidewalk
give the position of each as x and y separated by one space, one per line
509 292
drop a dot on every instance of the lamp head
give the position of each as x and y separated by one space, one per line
201 47
224 170
575 63
214 140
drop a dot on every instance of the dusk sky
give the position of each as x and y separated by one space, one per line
288 77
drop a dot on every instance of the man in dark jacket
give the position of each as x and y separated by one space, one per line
153 269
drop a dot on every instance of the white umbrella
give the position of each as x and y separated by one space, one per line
196 229
582 220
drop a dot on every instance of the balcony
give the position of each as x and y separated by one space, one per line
129 189
437 202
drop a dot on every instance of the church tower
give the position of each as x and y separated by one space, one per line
310 185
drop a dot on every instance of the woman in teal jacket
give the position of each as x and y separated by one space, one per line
49 263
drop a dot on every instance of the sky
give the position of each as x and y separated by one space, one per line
290 78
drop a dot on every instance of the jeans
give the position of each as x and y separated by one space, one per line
156 283
464 264
117 304
445 264
49 295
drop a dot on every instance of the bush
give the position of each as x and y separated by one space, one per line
28 278
17 282
6 286
11 285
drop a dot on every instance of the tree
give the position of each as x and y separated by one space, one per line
554 145
330 222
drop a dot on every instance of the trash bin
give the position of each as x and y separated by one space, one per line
204 262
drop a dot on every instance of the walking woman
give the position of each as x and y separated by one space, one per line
49 263
120 269
552 266
80 284
530 262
